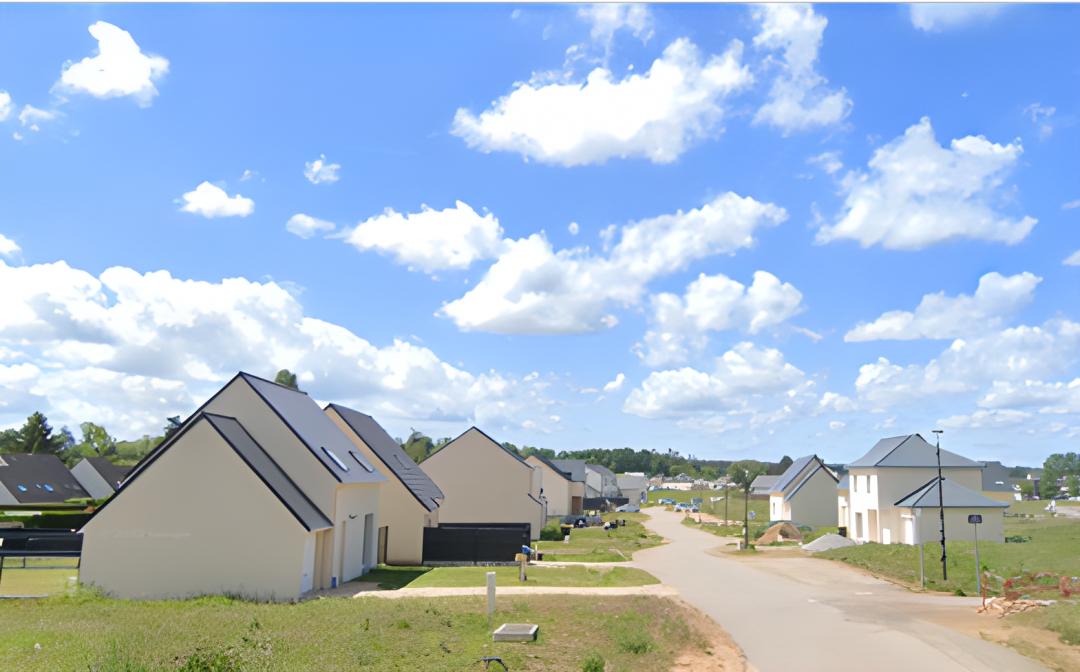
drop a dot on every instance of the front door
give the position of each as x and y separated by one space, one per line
384 532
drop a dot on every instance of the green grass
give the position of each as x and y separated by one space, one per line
1054 547
93 634
392 578
756 529
1062 618
593 544
42 576
576 576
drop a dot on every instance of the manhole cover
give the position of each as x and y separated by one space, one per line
516 632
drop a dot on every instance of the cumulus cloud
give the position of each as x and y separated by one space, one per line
573 228
657 115
531 288
210 200
799 98
1048 397
940 316
1073 259
307 226
606 19
984 419
714 303
939 17
7 106
321 171
8 247
918 193
615 384
127 349
30 117
119 68
431 240
1041 116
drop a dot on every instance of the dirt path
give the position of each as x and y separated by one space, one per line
811 615
656 589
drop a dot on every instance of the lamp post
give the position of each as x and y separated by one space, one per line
941 507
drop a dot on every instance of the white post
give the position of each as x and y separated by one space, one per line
978 569
490 593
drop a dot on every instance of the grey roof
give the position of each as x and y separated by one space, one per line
764 482
551 465
844 483
956 497
812 466
392 456
269 472
112 473
318 432
793 471
38 479
602 470
576 468
995 478
911 450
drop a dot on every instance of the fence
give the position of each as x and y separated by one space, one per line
40 543
471 543
604 503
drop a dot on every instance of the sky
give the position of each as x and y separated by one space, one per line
733 231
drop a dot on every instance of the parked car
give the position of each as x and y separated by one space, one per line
628 508
665 501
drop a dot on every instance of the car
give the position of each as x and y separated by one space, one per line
665 501
628 508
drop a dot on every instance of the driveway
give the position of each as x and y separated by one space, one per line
804 614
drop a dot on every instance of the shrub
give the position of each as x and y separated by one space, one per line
594 662
551 532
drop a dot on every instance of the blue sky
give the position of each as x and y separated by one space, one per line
385 199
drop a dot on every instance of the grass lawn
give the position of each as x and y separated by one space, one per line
86 632
593 544
577 576
756 529
1054 547
42 576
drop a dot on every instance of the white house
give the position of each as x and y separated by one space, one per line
889 473
805 493
258 494
98 476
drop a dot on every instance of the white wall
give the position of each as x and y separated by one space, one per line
888 486
354 502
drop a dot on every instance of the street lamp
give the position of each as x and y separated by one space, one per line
941 506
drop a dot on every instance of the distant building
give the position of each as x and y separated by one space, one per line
805 493
98 476
997 484
632 485
37 479
563 488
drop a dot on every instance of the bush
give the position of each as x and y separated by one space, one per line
551 532
594 662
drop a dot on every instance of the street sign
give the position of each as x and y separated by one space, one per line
753 515
975 518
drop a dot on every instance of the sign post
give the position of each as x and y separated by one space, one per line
919 541
975 519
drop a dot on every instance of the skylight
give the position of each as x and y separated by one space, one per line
337 460
48 488
361 461
21 487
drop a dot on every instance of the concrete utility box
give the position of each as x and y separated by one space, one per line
516 632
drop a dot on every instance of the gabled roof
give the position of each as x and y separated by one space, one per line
318 432
551 465
799 474
112 473
764 482
392 456
576 468
486 436
794 470
995 478
38 479
911 450
955 495
253 455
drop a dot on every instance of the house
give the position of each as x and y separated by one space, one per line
632 486
258 494
565 496
36 479
892 470
843 497
762 486
98 476
485 482
997 484
600 482
921 518
805 493
408 501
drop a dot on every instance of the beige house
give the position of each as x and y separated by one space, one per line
805 494
890 472
98 476
483 482
408 501
564 495
921 516
258 494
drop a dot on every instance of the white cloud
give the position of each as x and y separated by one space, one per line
6 105
1073 259
1056 398
714 303
656 115
321 171
128 349
573 228
606 19
8 247
1071 205
431 240
918 193
799 98
984 419
828 161
836 403
1040 116
30 116
615 384
533 289
210 201
940 316
837 425
938 17
119 68
307 226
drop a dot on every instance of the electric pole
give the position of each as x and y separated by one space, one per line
941 507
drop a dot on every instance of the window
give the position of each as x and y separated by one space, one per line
361 461
871 482
48 488
37 485
21 487
337 460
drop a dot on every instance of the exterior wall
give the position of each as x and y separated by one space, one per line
483 484
354 550
577 497
776 507
556 488
815 502
956 526
231 535
91 481
843 499
240 401
881 520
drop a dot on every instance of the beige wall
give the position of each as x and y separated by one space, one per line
556 488
354 551
956 526
889 486
197 521
815 502
483 484
398 509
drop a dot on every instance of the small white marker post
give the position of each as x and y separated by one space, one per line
490 593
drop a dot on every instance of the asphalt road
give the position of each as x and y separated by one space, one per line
805 615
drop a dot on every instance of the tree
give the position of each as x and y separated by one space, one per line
9 441
95 442
1055 468
286 378
742 474
1072 482
37 437
172 424
1027 489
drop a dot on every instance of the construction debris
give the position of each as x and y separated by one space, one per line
1002 606
779 532
827 542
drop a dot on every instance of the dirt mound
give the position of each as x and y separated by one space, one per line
779 532
827 542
